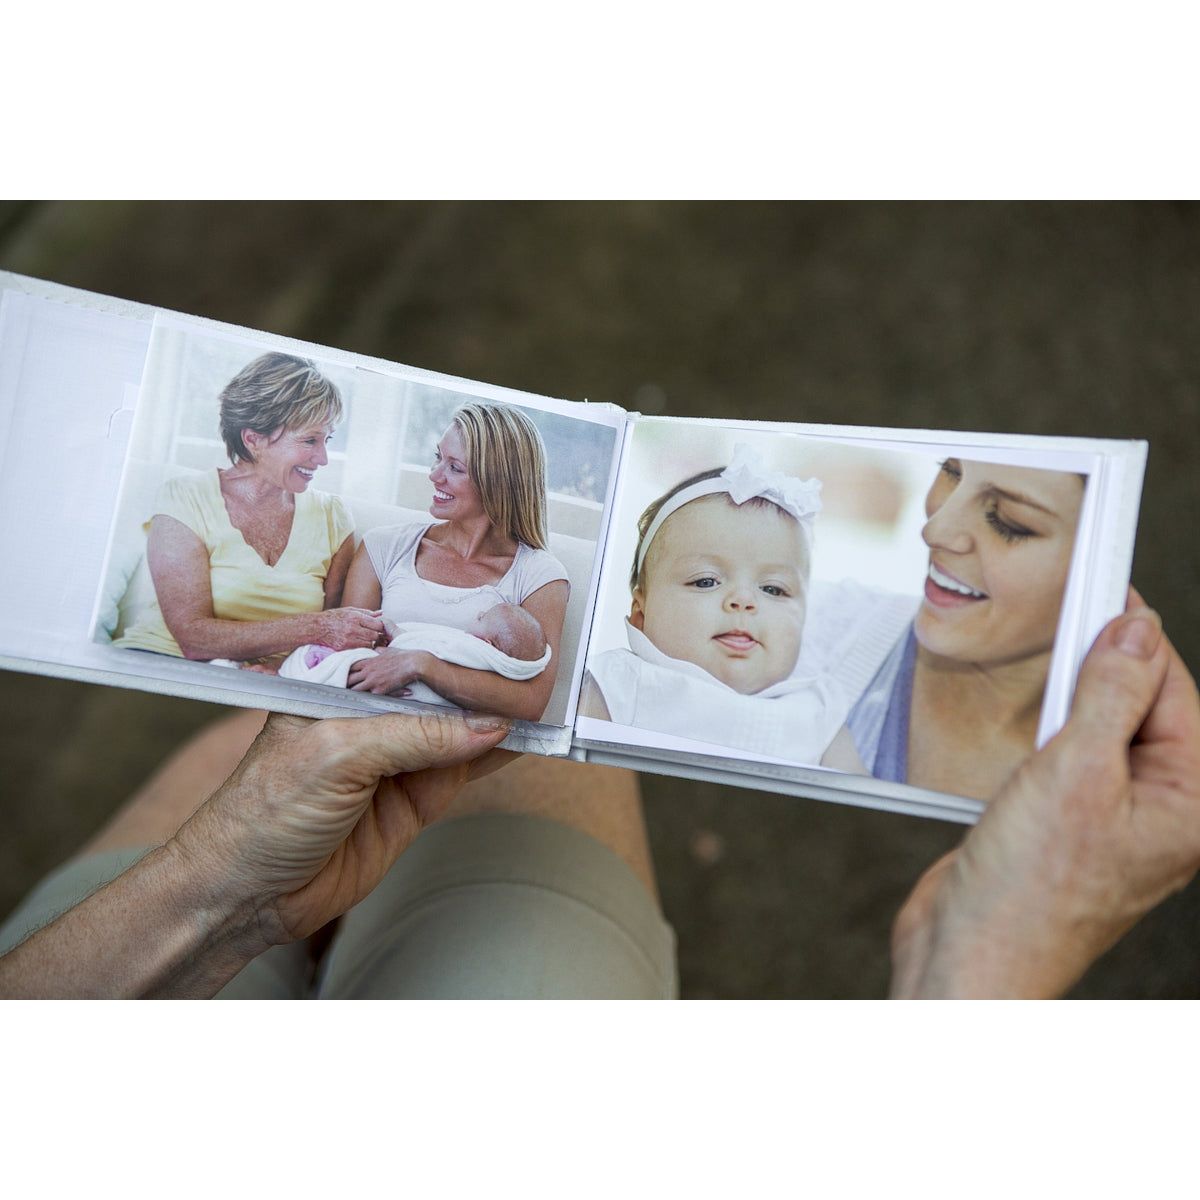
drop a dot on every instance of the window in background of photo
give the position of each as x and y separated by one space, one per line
382 450
396 429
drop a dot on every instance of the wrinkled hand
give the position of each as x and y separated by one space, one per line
1091 833
317 811
389 673
349 628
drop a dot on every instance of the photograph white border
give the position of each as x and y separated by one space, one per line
1097 581
271 688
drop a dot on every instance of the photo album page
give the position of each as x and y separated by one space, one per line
774 597
300 529
885 617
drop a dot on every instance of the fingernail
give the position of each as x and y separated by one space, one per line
1138 637
481 723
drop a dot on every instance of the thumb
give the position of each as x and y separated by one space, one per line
397 744
1120 678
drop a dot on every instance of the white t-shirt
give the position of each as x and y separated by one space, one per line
407 597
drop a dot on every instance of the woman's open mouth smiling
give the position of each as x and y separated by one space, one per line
441 497
945 591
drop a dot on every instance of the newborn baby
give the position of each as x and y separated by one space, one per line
506 639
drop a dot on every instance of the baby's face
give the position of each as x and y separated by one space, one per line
725 589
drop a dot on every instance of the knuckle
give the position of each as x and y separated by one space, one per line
1119 673
1113 691
439 734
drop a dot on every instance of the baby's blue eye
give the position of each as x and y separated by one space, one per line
706 582
773 589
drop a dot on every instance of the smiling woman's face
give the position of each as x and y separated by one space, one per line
289 458
455 495
1000 542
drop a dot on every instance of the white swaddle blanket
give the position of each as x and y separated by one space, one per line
445 642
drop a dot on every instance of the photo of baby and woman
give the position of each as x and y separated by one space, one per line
877 611
328 524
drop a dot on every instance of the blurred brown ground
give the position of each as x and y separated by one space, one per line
1061 318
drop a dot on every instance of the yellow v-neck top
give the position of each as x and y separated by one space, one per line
244 588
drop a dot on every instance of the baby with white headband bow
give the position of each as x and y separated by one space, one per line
720 586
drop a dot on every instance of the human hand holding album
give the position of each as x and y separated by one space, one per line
1091 833
316 813
305 827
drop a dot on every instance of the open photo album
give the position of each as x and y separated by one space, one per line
202 510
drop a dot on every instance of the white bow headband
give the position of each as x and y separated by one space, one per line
746 477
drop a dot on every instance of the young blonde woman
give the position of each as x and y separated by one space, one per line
485 546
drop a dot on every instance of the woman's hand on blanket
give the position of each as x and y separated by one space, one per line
317 811
349 628
390 672
1091 833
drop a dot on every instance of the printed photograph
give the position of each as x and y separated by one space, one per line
339 526
881 612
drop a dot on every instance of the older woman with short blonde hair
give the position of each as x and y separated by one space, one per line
247 561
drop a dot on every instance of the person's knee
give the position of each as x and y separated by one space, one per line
533 783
